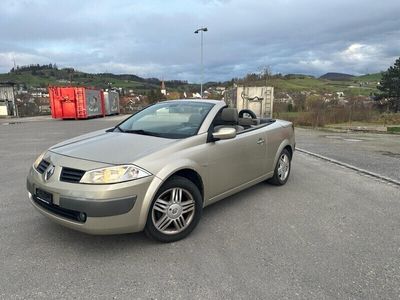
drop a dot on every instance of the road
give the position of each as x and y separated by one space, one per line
377 153
329 233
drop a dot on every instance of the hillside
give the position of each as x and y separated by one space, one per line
337 76
357 85
43 76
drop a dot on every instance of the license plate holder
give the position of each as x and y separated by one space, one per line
44 196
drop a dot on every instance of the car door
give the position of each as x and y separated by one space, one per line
234 162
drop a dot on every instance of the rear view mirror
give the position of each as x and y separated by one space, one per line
224 133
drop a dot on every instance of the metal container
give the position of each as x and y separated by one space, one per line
111 103
7 99
76 102
259 99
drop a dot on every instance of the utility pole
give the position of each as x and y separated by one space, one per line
201 30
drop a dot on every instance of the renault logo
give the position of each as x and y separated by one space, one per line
49 172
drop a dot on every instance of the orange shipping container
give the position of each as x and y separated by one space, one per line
76 102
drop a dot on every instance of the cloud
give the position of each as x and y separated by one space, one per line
156 39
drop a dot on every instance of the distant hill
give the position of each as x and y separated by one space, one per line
337 76
45 75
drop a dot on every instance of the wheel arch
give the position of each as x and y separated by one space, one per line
193 176
290 150
185 168
284 145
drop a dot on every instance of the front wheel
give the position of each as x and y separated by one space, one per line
175 211
282 169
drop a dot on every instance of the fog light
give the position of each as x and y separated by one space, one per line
82 217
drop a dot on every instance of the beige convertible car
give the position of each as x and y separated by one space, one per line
159 168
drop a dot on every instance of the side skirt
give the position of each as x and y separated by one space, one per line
238 189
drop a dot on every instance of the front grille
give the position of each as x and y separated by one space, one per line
63 212
71 175
42 166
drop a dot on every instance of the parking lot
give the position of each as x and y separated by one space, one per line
377 153
329 233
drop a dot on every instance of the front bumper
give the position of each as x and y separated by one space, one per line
96 209
79 209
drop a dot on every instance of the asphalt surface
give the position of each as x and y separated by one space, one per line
377 153
329 233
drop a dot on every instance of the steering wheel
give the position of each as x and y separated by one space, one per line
249 112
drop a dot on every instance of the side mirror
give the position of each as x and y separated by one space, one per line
224 133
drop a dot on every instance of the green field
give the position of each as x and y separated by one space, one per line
362 85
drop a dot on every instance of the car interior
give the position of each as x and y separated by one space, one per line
244 120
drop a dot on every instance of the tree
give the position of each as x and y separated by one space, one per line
155 96
389 87
299 100
316 106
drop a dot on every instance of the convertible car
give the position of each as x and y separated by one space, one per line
159 168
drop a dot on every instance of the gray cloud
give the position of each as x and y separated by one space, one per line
157 39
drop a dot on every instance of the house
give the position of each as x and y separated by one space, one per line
339 95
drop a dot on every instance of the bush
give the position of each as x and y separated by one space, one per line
393 129
390 118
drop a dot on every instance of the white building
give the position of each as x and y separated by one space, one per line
163 89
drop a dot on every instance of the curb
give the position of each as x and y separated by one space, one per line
351 167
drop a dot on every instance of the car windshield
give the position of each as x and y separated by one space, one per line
174 120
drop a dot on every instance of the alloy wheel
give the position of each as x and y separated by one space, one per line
283 167
173 211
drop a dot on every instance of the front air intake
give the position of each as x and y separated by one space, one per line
43 165
71 175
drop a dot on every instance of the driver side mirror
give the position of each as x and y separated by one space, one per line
224 133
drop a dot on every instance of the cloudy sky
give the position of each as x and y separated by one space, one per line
156 39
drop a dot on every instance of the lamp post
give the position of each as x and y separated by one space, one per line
201 30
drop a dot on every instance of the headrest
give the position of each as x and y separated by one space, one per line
230 115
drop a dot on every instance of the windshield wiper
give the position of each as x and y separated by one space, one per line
141 131
113 129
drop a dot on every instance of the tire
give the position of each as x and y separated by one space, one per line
175 210
249 112
282 168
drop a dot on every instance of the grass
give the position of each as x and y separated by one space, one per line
393 129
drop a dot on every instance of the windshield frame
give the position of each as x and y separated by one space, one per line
160 135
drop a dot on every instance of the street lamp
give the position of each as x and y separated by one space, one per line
204 29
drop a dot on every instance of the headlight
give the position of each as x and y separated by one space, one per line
39 159
114 174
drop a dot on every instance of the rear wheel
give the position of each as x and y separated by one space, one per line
175 211
282 169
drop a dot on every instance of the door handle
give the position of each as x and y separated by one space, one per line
260 141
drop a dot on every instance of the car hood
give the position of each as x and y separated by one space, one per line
111 147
